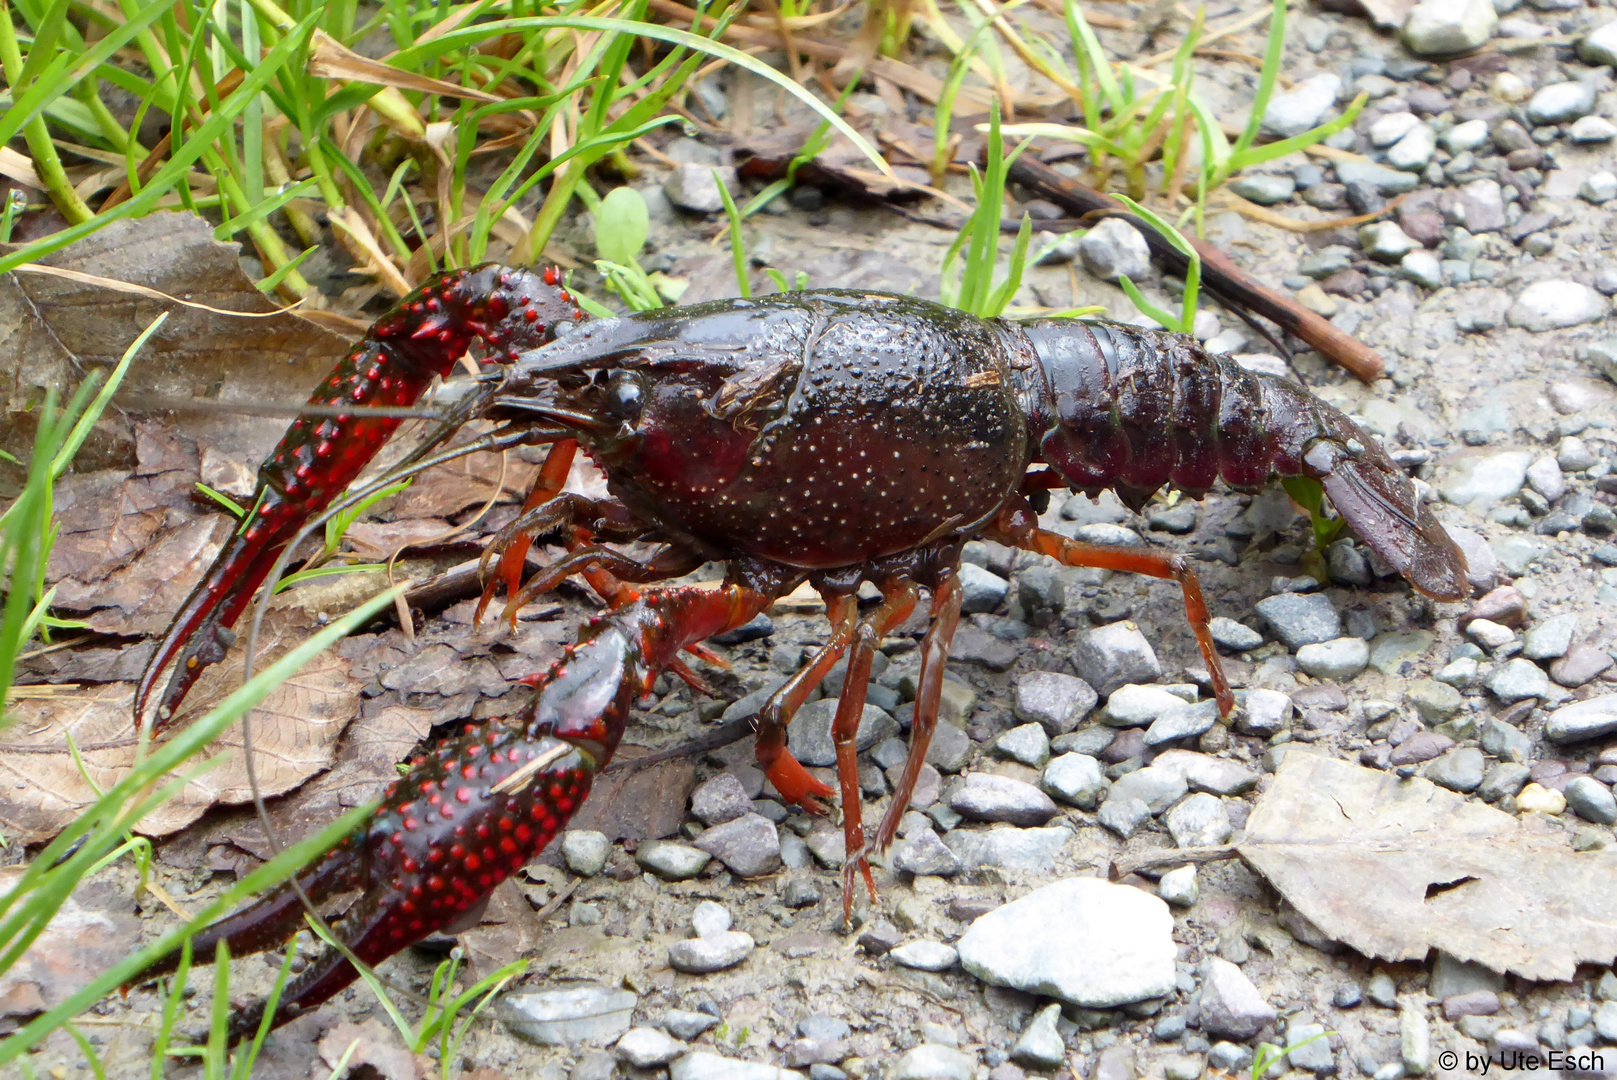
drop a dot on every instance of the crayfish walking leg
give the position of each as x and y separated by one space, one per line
479 808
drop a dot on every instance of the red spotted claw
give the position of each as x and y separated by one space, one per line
474 811
507 310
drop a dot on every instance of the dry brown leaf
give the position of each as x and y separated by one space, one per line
295 734
638 804
1396 868
55 329
376 1050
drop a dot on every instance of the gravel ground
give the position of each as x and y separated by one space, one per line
1075 728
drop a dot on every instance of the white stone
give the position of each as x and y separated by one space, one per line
1437 27
1085 941
1600 47
1466 136
1556 305
1179 888
1115 248
1303 106
1560 102
1414 150
1592 129
1598 188
1392 127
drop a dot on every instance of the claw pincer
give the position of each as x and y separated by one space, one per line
476 810
507 310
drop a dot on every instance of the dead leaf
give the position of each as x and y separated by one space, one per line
295 733
56 329
94 929
1396 868
510 929
638 804
376 1047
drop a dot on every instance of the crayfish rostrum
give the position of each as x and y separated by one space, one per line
833 437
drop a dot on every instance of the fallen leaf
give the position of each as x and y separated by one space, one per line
638 804
1395 868
510 929
295 733
375 1048
58 328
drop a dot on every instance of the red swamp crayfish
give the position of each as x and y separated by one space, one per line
833 437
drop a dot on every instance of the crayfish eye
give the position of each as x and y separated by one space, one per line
625 395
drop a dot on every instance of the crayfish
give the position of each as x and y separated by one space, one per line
832 437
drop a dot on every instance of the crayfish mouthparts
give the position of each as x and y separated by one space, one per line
833 437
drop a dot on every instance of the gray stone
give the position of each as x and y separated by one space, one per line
705 1065
1266 712
1414 1039
1505 741
1582 664
1302 107
1156 787
687 1025
1544 476
1310 1048
1422 267
1551 638
1433 702
1600 47
1479 482
986 797
582 1014
1386 181
585 851
1518 679
1076 779
1299 619
1085 941
1341 659
1460 769
981 590
709 917
1382 990
647 1048
748 846
1574 455
1440 27
1385 242
923 853
1008 848
1590 130
715 952
809 735
1112 655
1201 820
929 1061
1055 701
925 955
1123 816
693 187
1556 305
1591 800
1026 743
1265 189
1560 103
1055 249
1489 634
1134 705
1467 136
1606 1021
1414 150
1229 1057
1229 1004
594 1065
1040 1045
1115 248
1516 554
1234 636
950 749
671 861
1179 887
1203 772
1481 206
1182 722
720 799
1390 127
